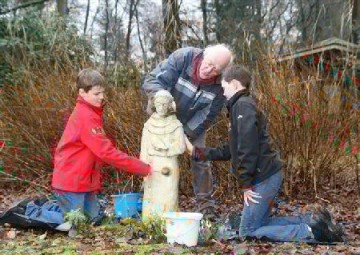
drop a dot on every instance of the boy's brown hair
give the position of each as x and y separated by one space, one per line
239 73
88 78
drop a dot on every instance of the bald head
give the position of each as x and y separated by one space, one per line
216 59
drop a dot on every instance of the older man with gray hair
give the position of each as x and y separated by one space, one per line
192 76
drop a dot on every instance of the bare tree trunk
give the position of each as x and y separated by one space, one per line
140 41
308 22
93 21
316 33
356 21
218 20
62 7
172 25
258 20
87 16
115 31
127 38
132 8
302 25
106 32
205 21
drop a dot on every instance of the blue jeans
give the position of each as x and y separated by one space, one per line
48 212
256 220
53 211
87 202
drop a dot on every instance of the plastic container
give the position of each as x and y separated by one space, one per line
127 205
183 227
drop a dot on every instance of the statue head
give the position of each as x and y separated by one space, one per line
163 103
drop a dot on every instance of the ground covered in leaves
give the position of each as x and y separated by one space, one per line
128 237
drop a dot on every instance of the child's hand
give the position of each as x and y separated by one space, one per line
198 154
150 163
251 195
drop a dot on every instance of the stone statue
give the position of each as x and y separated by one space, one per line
163 139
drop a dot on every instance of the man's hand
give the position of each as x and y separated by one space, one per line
150 106
189 146
173 106
250 195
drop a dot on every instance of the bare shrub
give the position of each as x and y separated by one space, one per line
316 133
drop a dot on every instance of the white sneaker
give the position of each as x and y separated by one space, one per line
66 226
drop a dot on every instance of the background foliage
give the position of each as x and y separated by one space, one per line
41 54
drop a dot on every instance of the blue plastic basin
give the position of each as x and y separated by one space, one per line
127 205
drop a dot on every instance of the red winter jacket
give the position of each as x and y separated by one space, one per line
84 148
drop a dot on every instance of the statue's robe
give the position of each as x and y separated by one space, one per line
162 141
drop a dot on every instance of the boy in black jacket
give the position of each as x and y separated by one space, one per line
257 166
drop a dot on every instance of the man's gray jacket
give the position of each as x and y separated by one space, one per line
196 105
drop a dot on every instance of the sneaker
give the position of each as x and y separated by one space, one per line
18 207
210 214
65 227
325 215
229 228
325 229
234 220
337 229
225 232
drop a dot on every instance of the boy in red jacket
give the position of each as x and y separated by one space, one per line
78 159
84 148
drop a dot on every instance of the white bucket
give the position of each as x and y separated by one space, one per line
183 227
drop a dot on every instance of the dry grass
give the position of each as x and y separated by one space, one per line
312 138
317 136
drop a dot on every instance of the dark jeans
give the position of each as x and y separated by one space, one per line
202 179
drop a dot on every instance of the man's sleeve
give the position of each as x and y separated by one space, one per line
244 119
221 153
93 136
166 74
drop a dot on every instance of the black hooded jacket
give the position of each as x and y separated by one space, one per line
253 159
